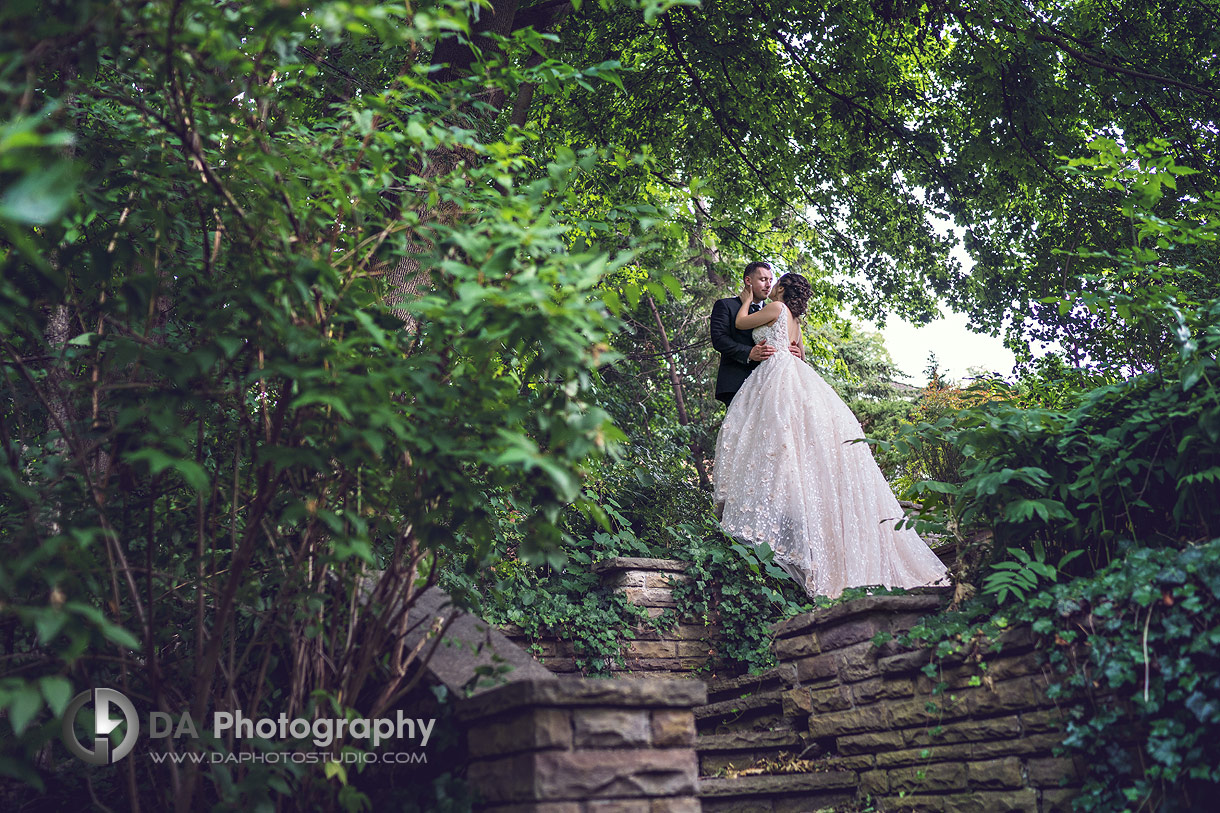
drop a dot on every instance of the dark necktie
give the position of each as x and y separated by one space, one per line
754 307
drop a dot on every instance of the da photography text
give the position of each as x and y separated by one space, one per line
111 708
323 731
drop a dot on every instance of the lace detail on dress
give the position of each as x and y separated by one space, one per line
787 474
774 333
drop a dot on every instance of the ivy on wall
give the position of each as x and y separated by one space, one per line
1134 652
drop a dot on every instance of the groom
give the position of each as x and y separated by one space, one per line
738 353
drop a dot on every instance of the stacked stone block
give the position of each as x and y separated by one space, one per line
985 742
649 583
579 746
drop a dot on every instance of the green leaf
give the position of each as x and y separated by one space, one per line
24 703
632 291
1191 374
108 628
58 691
41 195
371 327
675 287
332 769
48 621
158 461
330 399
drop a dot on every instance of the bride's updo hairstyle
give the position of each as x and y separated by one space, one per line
797 292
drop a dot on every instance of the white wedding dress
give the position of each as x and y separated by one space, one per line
786 475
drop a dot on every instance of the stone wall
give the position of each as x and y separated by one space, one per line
649 583
984 741
578 746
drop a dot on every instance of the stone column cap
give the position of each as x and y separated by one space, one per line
468 646
918 599
639 563
621 693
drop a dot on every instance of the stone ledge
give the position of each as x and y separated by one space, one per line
776 784
739 705
649 596
1058 800
850 664
683 666
645 693
552 776
534 807
524 730
673 729
637 674
777 677
746 741
948 776
908 745
467 645
663 804
972 706
612 728
1011 644
1053 772
802 701
639 563
992 802
925 600
680 632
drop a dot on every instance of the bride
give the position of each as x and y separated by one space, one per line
786 473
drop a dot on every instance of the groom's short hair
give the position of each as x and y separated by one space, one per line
754 266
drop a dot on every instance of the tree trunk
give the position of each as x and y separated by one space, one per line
704 255
675 380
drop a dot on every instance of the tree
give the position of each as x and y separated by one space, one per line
227 469
856 129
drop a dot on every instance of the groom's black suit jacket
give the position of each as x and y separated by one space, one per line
733 345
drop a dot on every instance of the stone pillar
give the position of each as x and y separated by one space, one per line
678 651
646 582
579 746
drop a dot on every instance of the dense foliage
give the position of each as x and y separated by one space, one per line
1070 460
1132 652
848 132
216 431
1110 473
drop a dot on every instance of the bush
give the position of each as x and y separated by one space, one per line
1136 459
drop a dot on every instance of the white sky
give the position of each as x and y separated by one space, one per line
957 348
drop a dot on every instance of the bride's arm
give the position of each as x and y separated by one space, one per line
768 314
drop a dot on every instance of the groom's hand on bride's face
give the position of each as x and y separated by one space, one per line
761 351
